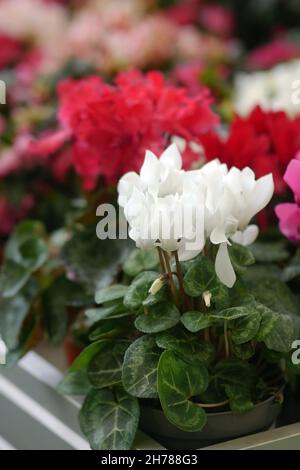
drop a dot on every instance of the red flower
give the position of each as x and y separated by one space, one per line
264 141
111 126
10 50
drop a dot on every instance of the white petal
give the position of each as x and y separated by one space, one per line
126 185
223 266
260 197
171 157
150 169
218 235
250 234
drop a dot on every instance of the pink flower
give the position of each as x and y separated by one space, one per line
268 55
289 213
189 75
217 19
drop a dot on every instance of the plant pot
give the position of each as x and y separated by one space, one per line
221 426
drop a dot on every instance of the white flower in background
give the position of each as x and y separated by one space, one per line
272 89
178 210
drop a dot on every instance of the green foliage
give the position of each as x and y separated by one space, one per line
109 419
139 374
138 290
158 317
201 277
140 261
105 368
195 321
270 252
186 345
178 382
92 262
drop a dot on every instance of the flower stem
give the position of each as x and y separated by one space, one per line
170 275
162 261
186 300
226 340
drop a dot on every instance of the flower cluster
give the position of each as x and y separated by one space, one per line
111 126
264 141
289 213
180 210
271 89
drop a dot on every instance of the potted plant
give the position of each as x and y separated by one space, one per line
190 344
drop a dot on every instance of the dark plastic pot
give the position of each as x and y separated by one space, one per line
221 426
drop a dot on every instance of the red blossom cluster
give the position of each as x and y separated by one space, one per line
264 141
10 50
109 126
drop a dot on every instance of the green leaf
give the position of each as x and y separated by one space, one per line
75 383
109 419
243 351
110 328
12 315
105 368
82 361
201 277
240 256
285 331
24 254
270 252
268 322
234 371
276 295
139 375
60 294
178 382
102 313
92 261
26 245
107 294
138 291
158 317
292 270
239 398
189 347
232 313
195 321
13 277
139 261
244 329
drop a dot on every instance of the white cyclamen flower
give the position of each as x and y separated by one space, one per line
239 197
178 210
163 205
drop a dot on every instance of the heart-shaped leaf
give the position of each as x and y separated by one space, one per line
105 368
178 382
195 321
201 277
158 317
138 291
109 419
107 294
139 375
187 346
139 261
